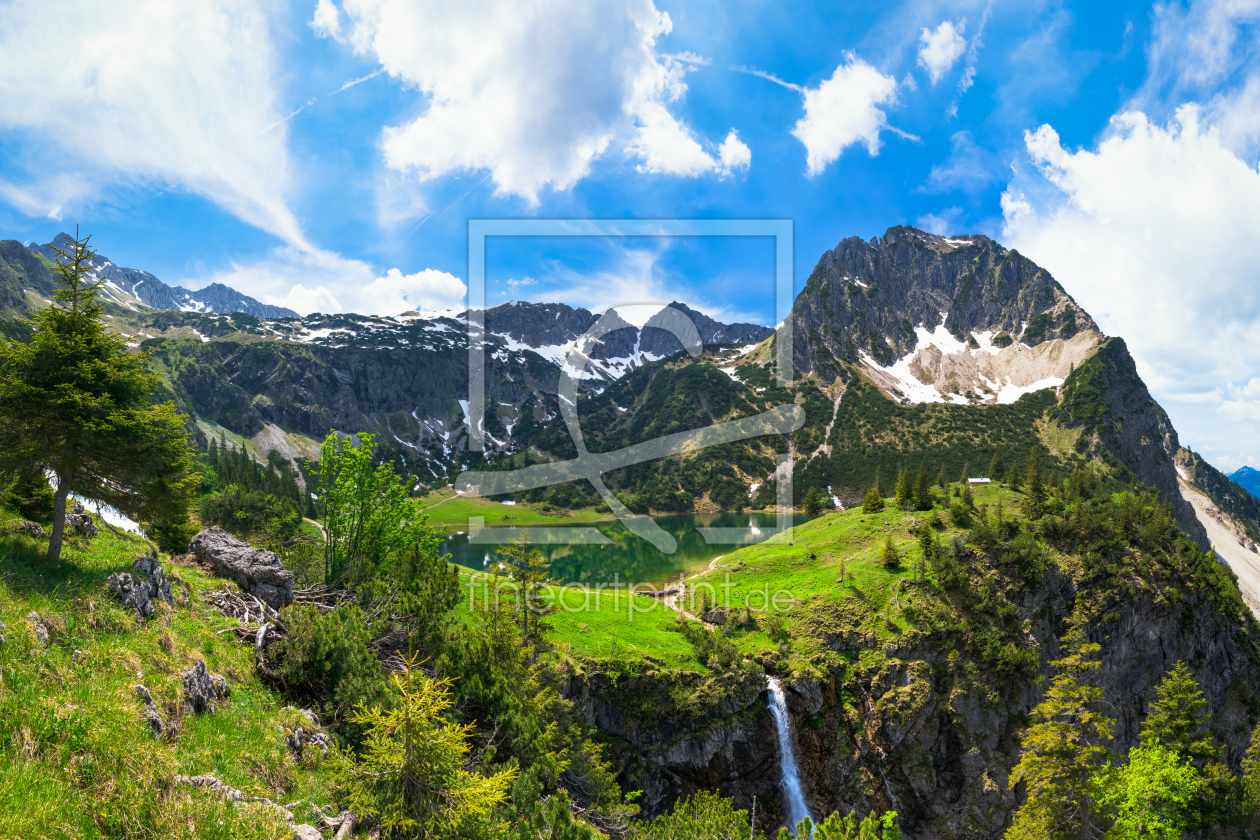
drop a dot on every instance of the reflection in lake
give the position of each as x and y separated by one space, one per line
630 559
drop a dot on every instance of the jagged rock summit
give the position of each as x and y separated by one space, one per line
940 319
134 289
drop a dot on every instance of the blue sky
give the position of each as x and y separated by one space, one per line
328 155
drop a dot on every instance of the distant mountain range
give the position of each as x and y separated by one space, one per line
1247 478
135 289
910 349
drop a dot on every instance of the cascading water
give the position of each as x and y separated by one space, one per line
790 781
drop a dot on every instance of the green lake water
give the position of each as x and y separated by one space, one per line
627 559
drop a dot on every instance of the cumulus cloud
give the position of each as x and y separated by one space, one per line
940 48
532 92
149 93
323 281
843 110
429 290
1154 233
1242 402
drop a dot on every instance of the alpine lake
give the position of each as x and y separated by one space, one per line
625 559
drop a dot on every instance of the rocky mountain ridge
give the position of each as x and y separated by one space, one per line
1247 478
135 289
927 320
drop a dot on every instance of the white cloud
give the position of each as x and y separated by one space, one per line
327 20
629 277
322 281
733 153
1154 232
944 223
429 290
842 111
149 93
304 301
532 92
967 79
941 47
1242 403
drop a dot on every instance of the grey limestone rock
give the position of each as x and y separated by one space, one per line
158 726
138 591
257 571
202 689
38 626
81 522
30 529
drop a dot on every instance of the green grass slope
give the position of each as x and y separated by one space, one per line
77 759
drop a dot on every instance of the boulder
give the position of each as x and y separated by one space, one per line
81 522
716 616
202 689
257 571
30 529
38 627
151 714
139 590
298 739
306 832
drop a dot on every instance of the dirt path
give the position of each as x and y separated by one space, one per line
1246 564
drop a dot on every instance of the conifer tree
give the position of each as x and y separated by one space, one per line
903 488
412 773
995 468
922 494
929 549
1251 779
811 502
966 472
889 556
940 478
1178 718
874 502
1063 758
76 404
532 573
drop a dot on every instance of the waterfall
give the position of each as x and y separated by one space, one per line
797 810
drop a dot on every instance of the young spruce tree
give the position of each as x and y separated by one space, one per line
1063 758
922 492
76 405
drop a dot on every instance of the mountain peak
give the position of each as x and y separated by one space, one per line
939 319
135 289
1248 478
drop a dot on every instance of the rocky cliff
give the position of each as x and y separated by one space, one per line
913 726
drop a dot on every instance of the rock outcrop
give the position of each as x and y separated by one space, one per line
81 521
202 689
138 591
152 716
38 627
29 529
257 571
